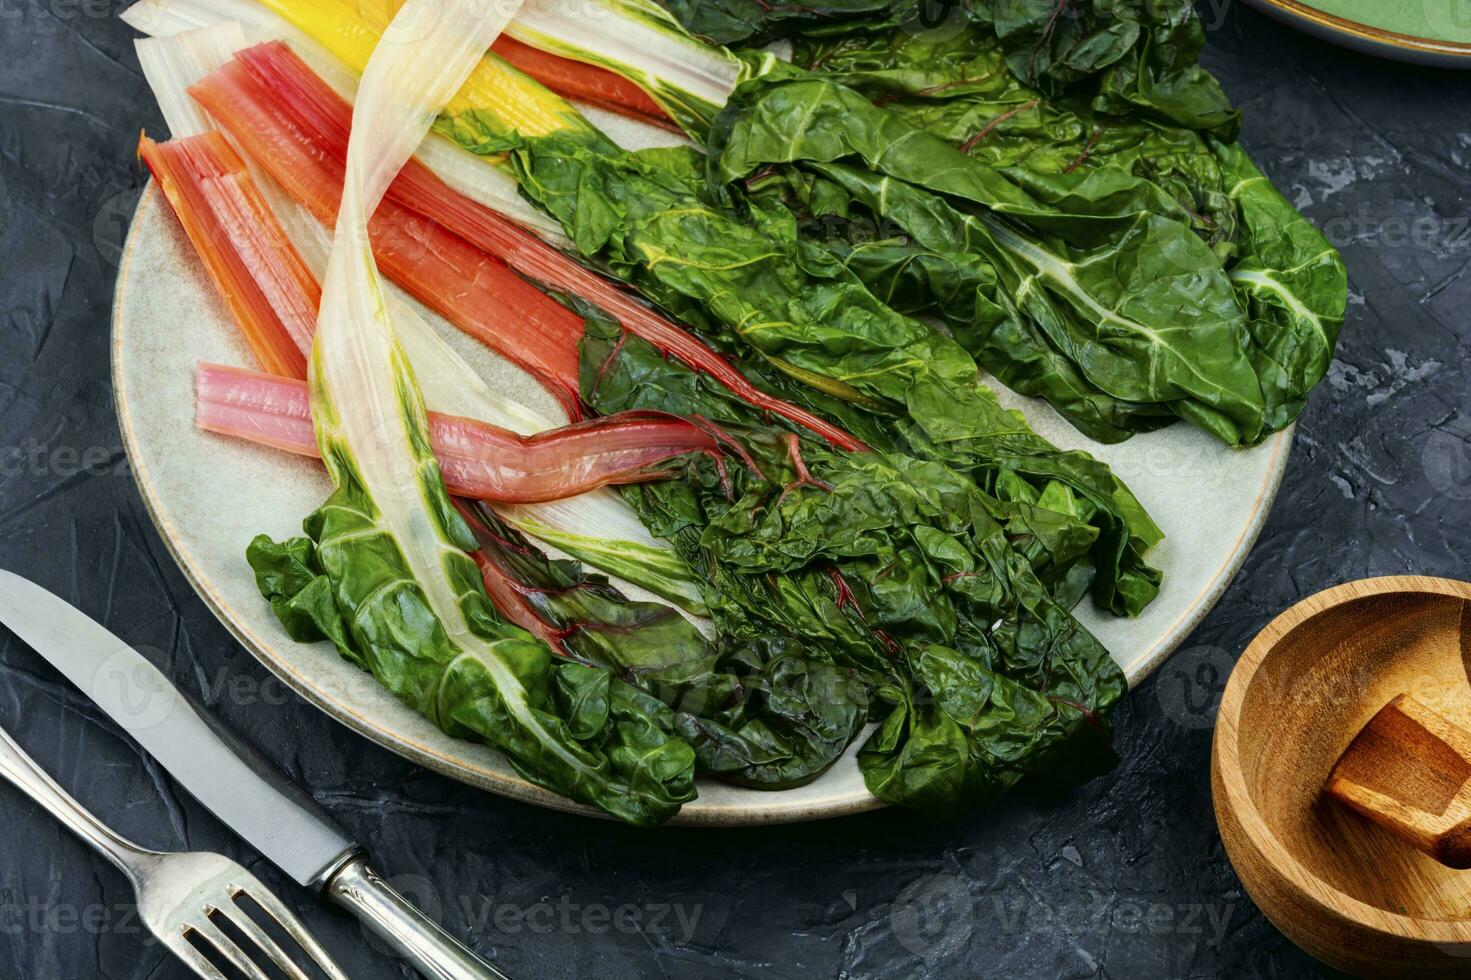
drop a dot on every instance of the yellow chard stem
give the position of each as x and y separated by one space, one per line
495 100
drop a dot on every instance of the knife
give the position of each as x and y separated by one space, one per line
236 783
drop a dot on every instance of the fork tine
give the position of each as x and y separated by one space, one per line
241 920
224 945
179 944
277 910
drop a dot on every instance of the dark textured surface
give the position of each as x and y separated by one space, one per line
1126 878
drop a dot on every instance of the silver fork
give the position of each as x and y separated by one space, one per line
181 894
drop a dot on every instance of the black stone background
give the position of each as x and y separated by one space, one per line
1126 878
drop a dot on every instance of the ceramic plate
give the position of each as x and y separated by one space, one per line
1433 32
210 495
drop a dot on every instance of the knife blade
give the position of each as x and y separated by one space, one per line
238 785
273 814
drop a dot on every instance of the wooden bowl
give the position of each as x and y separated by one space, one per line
1344 889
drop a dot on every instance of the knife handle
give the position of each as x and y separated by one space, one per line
428 948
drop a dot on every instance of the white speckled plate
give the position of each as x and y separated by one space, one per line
210 495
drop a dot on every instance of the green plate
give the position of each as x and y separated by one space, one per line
1435 32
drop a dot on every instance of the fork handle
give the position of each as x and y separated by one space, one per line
28 776
413 935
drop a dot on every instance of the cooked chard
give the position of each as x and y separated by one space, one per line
780 307
1092 157
1063 193
388 550
258 272
943 597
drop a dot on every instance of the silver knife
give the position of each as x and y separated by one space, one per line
237 784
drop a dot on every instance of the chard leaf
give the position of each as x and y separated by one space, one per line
1291 280
970 733
729 21
763 712
1134 57
496 684
879 560
795 717
1127 58
958 88
1130 291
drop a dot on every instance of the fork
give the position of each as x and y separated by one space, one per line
180 895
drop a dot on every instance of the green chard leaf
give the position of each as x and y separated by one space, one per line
1125 57
970 734
879 560
346 581
1133 57
1105 121
1103 263
1291 280
636 683
796 715
958 87
730 21
763 711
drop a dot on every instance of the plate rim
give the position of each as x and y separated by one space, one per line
1366 37
771 811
